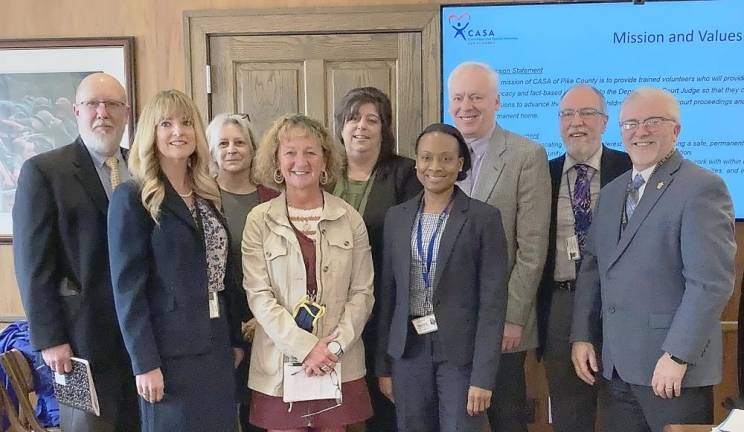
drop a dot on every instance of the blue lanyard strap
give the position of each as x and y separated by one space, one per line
427 260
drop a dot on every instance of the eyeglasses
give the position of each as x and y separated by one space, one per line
336 382
584 113
241 116
110 105
651 124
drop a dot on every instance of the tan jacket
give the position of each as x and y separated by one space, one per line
274 278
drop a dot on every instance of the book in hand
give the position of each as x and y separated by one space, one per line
300 387
76 389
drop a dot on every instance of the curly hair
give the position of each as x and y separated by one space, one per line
291 126
143 161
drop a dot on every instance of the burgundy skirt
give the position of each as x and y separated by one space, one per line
270 412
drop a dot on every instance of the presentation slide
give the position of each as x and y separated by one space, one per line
694 49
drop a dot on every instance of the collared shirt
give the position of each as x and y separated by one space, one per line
478 148
104 172
646 174
565 269
419 300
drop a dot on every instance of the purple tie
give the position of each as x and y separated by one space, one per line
582 204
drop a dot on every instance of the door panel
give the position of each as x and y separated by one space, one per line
267 76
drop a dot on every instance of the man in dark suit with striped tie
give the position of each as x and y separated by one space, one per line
576 178
61 255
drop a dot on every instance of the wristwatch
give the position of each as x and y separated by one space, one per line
677 360
335 348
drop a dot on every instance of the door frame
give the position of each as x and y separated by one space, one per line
199 26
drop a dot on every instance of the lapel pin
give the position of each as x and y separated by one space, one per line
659 185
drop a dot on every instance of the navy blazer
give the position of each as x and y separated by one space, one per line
61 256
470 292
611 165
159 274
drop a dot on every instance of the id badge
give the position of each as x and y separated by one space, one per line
572 248
425 324
214 305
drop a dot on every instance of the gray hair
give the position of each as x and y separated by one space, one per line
654 92
493 76
602 100
213 135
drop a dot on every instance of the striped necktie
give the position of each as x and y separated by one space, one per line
632 201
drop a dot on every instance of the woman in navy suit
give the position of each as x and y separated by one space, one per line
443 300
173 284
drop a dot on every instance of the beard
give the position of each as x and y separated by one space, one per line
103 144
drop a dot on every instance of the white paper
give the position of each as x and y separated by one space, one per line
300 387
733 423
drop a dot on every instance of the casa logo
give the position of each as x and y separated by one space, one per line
459 24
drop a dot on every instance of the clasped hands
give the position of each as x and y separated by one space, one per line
321 360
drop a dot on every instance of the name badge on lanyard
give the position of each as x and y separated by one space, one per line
572 248
214 305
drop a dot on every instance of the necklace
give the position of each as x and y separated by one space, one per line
191 192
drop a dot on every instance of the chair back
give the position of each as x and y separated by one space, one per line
19 374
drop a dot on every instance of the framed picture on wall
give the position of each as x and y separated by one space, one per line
38 79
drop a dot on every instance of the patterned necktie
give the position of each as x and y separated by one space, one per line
582 204
113 164
632 201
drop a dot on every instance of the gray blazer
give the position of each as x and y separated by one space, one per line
469 287
661 284
515 179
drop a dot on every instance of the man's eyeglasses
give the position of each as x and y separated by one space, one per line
584 113
651 124
336 382
110 105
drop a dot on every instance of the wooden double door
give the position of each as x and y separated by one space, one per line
297 66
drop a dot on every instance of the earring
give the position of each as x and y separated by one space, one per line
278 177
324 177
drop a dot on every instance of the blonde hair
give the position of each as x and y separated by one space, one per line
213 137
143 161
290 126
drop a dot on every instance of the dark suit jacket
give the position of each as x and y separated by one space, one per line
612 164
159 275
61 255
470 292
394 183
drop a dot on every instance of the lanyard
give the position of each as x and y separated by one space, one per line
343 184
426 271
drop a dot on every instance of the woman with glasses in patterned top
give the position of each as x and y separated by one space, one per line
308 273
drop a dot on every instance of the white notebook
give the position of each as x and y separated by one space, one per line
300 387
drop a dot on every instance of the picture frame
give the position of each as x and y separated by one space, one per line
38 80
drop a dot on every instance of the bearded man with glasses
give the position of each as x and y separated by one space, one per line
61 255
657 273
576 178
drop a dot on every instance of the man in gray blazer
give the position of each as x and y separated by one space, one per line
509 172
658 271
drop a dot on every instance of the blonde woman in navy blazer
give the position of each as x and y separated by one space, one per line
443 379
173 288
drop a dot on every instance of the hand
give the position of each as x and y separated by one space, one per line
150 385
320 360
512 337
386 387
238 356
667 378
584 359
58 358
248 329
478 400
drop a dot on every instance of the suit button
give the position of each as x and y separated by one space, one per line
325 268
611 309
